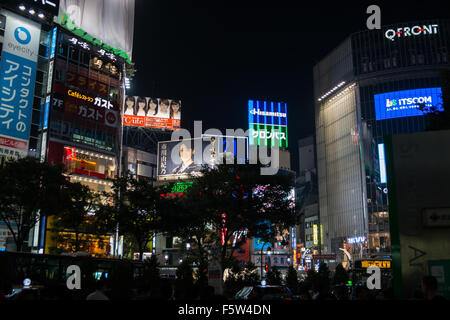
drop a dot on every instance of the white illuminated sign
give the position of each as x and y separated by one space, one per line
269 134
267 113
391 34
356 240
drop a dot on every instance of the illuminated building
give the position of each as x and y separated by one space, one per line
26 46
84 129
366 88
307 196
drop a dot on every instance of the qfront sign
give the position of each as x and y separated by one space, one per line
17 76
393 34
267 123
399 104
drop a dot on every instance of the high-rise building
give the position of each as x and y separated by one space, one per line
26 48
82 126
371 85
306 198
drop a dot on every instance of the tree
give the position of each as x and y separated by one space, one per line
30 190
151 276
77 216
250 274
292 279
273 276
340 275
229 199
136 205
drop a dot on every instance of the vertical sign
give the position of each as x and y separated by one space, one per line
315 235
382 163
17 78
267 123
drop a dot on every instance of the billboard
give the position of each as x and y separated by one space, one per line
267 123
399 104
110 23
179 159
176 158
17 79
152 113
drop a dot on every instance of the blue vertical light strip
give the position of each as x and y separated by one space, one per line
286 123
382 162
42 233
272 118
265 121
53 45
280 142
257 121
48 45
250 121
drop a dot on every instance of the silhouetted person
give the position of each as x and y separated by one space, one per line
99 293
429 289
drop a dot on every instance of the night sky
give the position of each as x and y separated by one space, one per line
215 55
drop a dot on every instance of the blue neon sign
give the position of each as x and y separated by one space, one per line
267 123
399 104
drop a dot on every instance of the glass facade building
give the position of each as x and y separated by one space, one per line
400 65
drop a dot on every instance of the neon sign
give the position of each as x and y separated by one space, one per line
391 34
267 117
97 101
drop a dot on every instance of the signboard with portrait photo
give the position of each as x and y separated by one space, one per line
176 159
152 112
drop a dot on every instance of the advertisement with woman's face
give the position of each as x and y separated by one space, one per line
152 112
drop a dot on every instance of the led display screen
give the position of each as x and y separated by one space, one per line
405 103
267 123
152 113
181 159
382 162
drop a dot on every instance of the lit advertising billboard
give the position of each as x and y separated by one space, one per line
17 79
405 103
176 158
152 113
102 22
85 106
179 159
267 122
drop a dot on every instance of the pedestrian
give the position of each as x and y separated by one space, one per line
99 293
429 289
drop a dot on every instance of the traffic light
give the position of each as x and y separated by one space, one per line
266 267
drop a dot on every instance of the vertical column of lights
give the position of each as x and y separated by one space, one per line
265 122
286 124
257 126
280 142
272 140
251 121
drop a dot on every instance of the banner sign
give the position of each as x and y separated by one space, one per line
152 113
17 79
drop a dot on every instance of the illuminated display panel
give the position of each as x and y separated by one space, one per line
267 121
382 162
405 103
382 264
152 112
177 160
